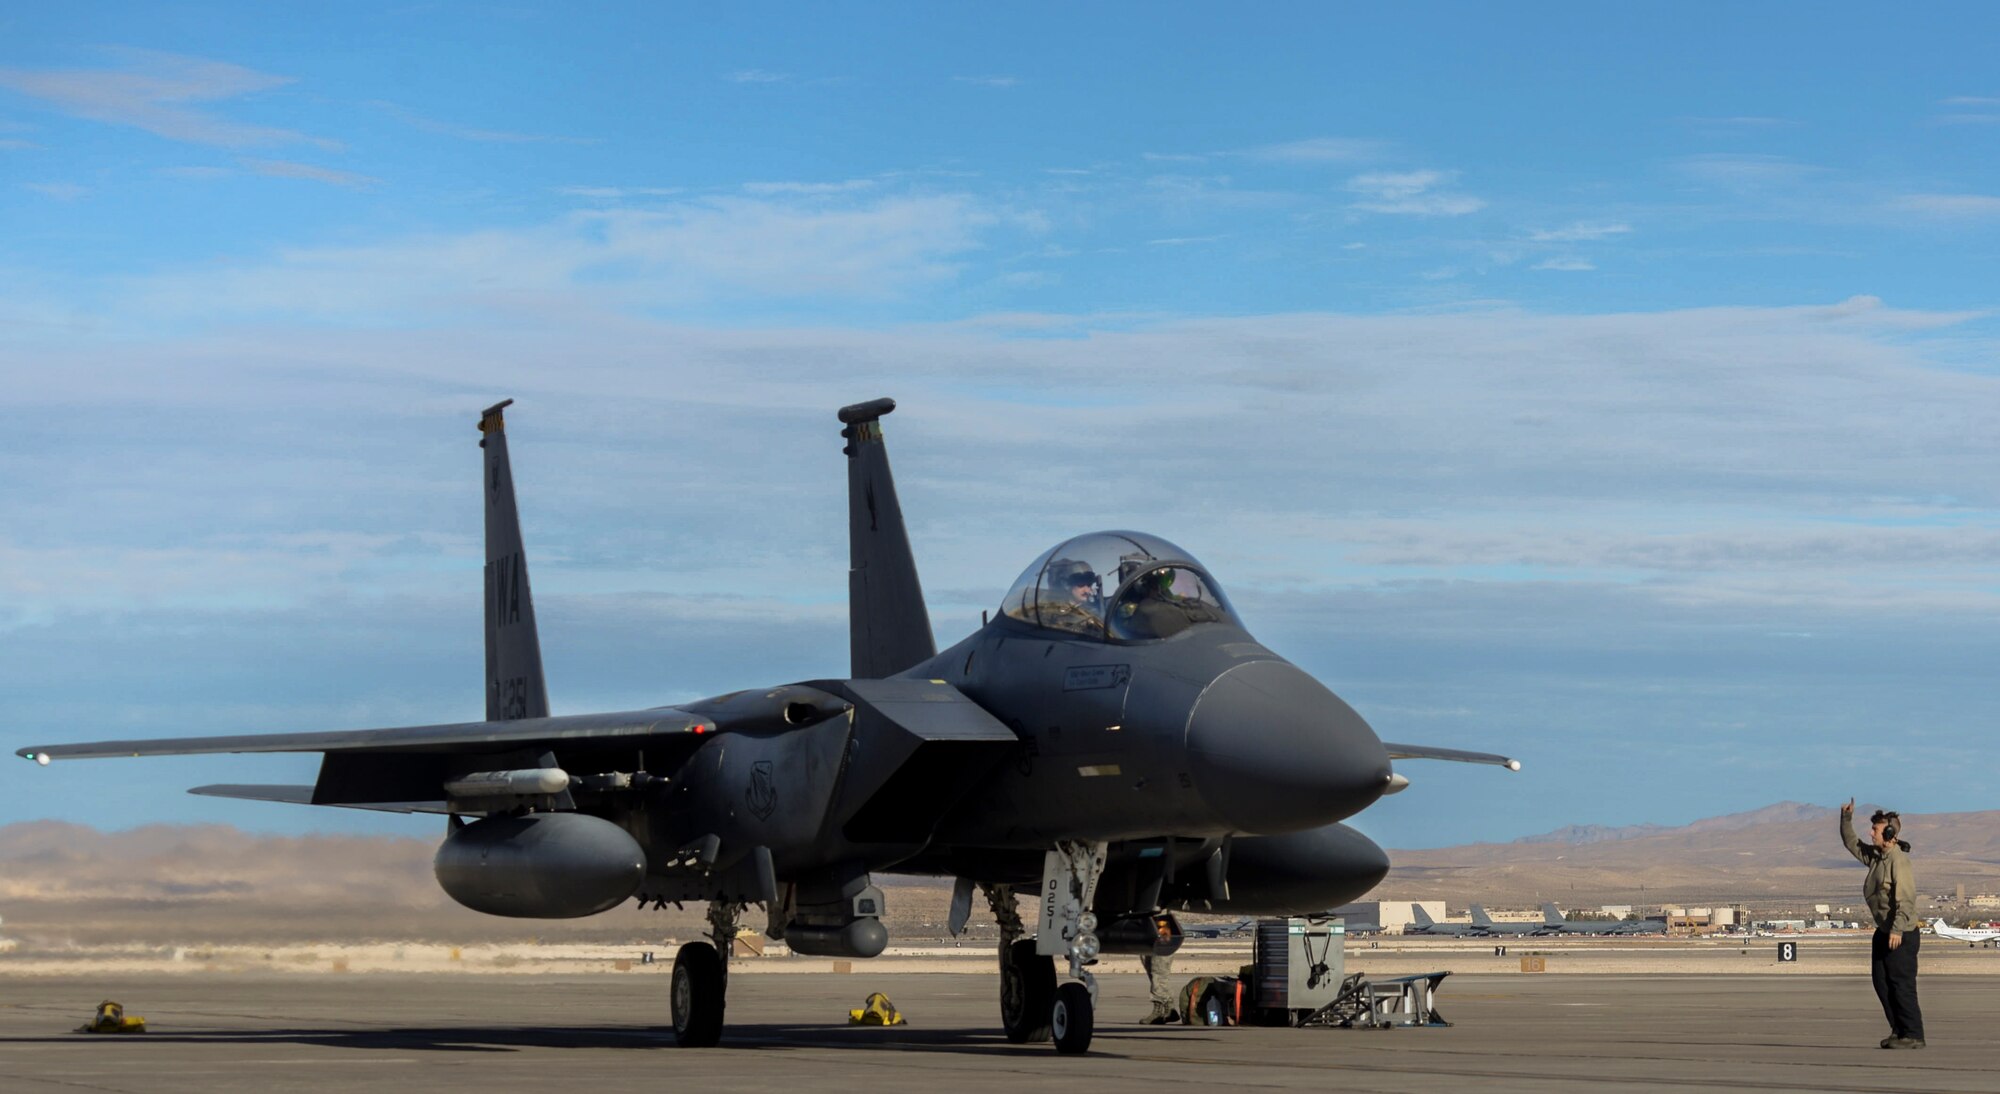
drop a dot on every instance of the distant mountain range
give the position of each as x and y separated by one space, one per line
183 883
1788 853
1781 813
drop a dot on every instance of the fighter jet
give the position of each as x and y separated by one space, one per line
1113 740
1422 923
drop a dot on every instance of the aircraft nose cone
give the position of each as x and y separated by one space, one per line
1273 750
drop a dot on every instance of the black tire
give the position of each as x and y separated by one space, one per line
698 996
1027 993
1072 1020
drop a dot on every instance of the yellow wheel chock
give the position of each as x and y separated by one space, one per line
111 1019
877 1011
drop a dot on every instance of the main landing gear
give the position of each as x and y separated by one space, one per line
701 979
1032 1007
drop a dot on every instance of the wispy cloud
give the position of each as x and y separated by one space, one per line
1318 150
61 191
1564 263
196 172
471 133
1172 157
617 193
1183 241
10 144
1412 193
988 81
847 186
757 76
286 169
1744 169
1582 231
1953 206
723 248
156 93
1970 100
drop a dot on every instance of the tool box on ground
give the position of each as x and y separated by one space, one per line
1299 978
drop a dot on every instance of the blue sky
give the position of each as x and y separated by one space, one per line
1612 386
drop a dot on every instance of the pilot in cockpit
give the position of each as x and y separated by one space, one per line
1084 592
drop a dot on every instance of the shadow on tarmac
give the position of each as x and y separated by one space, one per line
752 1036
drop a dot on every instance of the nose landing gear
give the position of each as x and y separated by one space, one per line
700 988
1068 929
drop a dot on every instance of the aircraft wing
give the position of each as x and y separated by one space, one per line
302 794
1426 752
455 737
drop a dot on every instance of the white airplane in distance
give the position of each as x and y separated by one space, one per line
1974 936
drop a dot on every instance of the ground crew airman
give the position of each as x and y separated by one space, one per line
1891 893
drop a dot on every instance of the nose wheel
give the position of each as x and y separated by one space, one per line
1073 1019
699 991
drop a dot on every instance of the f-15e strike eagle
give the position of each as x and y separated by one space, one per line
1113 741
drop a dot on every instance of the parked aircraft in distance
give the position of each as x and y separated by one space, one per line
1221 930
1113 740
1422 923
1485 923
1557 923
1976 936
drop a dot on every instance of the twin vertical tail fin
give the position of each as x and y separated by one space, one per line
888 627
514 684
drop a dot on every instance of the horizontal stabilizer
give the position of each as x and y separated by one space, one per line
302 795
457 737
1425 752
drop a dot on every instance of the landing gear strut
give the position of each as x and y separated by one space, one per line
701 979
1068 928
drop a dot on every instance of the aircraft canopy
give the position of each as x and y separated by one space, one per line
1118 586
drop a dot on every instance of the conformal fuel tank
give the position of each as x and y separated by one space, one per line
540 866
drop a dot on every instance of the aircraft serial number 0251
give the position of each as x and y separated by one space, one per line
1112 738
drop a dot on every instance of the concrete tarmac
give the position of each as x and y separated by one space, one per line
1512 1032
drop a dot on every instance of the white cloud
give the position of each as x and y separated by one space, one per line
1954 206
1183 241
757 76
1318 150
61 191
848 186
617 193
784 246
196 172
1567 262
1414 193
1744 170
1970 100
988 81
286 169
1582 231
1172 157
471 133
155 93
12 145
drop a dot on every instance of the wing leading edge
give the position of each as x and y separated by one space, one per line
455 737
